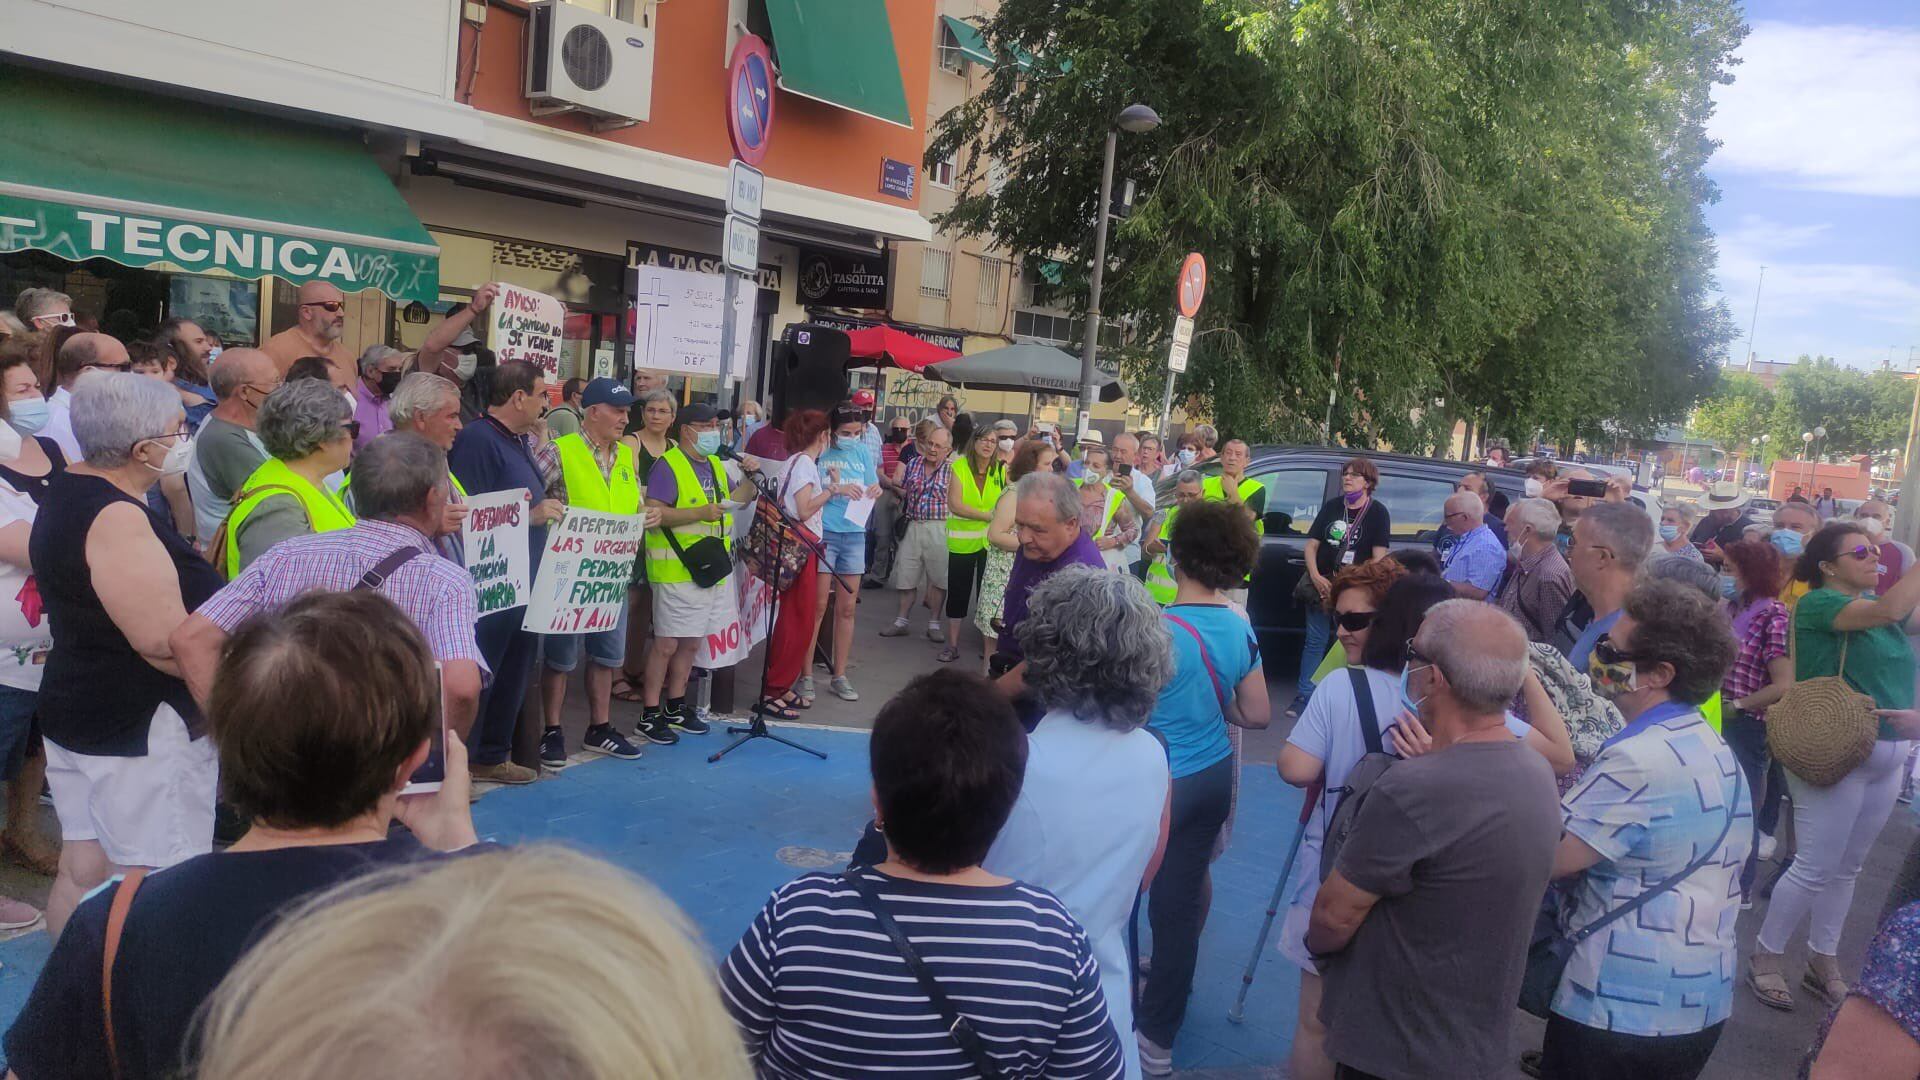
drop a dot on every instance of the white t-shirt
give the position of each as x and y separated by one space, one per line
1143 487
25 635
799 471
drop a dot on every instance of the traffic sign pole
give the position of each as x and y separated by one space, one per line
750 105
1188 290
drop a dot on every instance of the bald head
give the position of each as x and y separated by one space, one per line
1480 651
238 367
1467 504
83 351
315 319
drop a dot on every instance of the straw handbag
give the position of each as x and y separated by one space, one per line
1822 729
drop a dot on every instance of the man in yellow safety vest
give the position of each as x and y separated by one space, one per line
1160 583
307 428
1237 487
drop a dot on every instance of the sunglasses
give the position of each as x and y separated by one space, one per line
1355 621
1861 551
1609 653
331 307
128 366
353 428
63 318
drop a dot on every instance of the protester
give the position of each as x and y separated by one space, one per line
886 513
1153 456
973 488
1610 542
1876 1032
319 332
1875 518
816 985
803 495
1132 478
1047 525
429 406
320 785
308 431
132 780
564 418
453 352
29 470
1476 560
43 313
1838 629
1647 996
689 486
186 352
1351 528
1724 519
920 564
25 641
946 412
381 367
227 448
1493 502
1217 681
1440 872
495 454
649 441
1234 486
1186 454
78 353
848 465
1539 582
1091 820
1206 437
1161 585
1676 528
1761 674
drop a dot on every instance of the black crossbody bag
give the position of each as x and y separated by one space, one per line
957 1025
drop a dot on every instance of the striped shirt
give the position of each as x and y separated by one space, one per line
819 990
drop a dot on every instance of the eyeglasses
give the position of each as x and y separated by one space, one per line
1413 656
1609 653
331 307
185 432
1861 551
1355 621
125 366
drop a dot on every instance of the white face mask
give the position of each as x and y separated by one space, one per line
1005 445
1533 487
1186 455
9 442
179 456
1873 527
466 366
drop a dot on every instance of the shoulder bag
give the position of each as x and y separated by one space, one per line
1822 728
1550 950
957 1024
1364 774
1219 690
1304 590
116 927
776 547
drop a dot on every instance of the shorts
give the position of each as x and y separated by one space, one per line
922 558
846 553
17 728
154 810
682 609
606 648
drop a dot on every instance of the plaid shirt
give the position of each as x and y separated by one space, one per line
436 594
1764 642
926 490
1535 591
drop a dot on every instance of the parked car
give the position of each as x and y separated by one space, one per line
1299 479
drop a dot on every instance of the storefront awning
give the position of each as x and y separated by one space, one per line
840 52
967 37
95 171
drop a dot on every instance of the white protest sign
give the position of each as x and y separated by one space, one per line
731 643
528 326
494 540
676 322
583 578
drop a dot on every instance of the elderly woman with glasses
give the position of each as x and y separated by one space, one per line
131 772
1838 629
308 430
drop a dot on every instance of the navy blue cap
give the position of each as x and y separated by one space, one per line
605 392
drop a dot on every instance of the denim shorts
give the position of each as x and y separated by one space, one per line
846 553
607 648
16 728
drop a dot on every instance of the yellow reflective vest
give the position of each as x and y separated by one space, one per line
614 492
1211 490
325 512
965 535
663 566
1160 583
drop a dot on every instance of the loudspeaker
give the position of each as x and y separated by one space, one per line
809 370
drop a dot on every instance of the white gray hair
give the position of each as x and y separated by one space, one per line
418 392
1053 488
300 417
1669 566
1468 502
1624 529
370 359
1190 476
33 303
666 395
1479 648
394 474
1096 646
114 410
1207 434
1538 514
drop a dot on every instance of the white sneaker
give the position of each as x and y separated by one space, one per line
1764 852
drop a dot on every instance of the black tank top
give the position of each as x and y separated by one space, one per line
36 487
99 694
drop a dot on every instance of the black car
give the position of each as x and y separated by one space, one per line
1301 478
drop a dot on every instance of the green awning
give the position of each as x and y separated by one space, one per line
967 36
840 52
93 171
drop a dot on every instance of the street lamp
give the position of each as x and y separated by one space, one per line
1134 119
1806 452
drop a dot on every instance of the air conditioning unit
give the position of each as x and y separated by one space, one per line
580 61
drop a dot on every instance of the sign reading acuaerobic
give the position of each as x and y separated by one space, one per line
528 326
584 576
494 541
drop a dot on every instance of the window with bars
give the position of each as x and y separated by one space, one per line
936 272
992 272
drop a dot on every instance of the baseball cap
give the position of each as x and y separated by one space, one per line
700 412
863 398
464 340
605 392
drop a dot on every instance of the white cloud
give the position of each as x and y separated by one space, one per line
1828 108
1848 310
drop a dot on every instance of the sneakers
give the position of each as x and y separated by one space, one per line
685 719
553 749
1297 706
948 655
897 628
656 726
17 914
602 739
934 631
1155 1060
843 689
506 772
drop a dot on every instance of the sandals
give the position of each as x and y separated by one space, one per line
1766 981
1823 979
948 655
624 690
780 708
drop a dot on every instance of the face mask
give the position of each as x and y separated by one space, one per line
1873 527
848 442
389 382
28 416
179 456
214 354
1407 700
1354 498
1611 681
9 442
1516 550
707 442
1669 533
1727 588
896 436
1186 455
1005 445
1788 541
1533 488
466 366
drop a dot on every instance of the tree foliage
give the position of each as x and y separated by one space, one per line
1468 208
1862 412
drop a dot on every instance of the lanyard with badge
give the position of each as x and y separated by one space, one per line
1344 532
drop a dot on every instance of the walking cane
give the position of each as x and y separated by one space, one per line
1238 1014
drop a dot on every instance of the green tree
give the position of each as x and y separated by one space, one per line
1739 408
1862 413
1455 208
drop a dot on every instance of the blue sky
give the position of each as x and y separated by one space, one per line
1819 171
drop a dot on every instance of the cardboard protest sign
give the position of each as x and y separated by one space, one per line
583 577
529 326
494 539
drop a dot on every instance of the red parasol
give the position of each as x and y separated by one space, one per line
901 349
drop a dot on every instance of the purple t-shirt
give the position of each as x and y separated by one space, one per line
1027 573
662 486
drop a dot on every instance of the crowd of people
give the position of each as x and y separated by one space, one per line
1509 743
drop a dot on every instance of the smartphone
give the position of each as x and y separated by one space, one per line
433 771
1123 469
1592 489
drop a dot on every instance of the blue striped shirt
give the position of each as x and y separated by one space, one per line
819 990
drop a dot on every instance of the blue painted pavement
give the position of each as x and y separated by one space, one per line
712 837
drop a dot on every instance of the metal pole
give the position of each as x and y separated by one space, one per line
1752 326
730 295
1166 410
1091 331
1906 519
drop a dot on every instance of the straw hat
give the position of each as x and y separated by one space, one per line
1725 496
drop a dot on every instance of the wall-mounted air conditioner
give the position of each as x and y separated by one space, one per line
579 61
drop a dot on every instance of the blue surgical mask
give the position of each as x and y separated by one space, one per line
1727 588
707 442
1407 700
28 415
1789 542
1669 533
846 442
